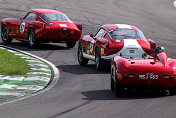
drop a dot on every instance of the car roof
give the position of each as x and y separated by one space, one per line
43 11
117 26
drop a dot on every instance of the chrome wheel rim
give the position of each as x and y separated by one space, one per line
80 54
31 38
5 34
97 61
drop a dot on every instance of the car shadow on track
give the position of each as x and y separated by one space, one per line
44 46
78 70
109 95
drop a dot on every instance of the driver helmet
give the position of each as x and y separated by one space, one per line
159 49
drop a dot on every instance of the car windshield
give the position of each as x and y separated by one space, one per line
54 17
126 34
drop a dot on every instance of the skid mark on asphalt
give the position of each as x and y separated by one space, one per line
69 110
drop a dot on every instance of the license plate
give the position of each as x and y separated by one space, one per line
148 76
131 51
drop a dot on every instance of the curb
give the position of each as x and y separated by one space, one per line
42 76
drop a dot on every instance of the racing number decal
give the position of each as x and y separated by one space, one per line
102 51
22 26
91 46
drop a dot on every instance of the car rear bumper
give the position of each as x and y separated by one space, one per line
161 83
59 35
109 57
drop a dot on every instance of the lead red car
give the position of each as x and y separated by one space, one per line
158 73
41 25
111 40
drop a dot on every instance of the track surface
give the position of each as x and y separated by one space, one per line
83 92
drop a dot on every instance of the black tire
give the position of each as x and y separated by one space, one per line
112 84
98 60
71 43
112 80
32 41
156 91
119 89
172 91
6 39
81 60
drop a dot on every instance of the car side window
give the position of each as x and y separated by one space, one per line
100 33
30 16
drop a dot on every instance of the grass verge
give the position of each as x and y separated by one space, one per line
11 64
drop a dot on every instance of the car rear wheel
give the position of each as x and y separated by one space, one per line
98 60
112 80
82 61
70 43
6 39
172 91
119 89
32 39
112 84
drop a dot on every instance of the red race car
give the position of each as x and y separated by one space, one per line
41 25
112 40
158 73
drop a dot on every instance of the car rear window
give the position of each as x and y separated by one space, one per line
54 17
126 34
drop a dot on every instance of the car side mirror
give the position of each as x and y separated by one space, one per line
92 35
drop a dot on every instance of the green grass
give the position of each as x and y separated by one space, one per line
6 97
18 90
11 64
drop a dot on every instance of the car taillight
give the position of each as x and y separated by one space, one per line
131 75
167 76
80 27
119 76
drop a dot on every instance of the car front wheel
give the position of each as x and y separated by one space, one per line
82 61
6 39
98 60
172 91
119 89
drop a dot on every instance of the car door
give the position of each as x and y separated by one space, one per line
96 40
25 22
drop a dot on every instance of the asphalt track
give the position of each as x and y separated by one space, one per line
83 92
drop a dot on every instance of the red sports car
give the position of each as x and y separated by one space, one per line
41 25
112 40
158 72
